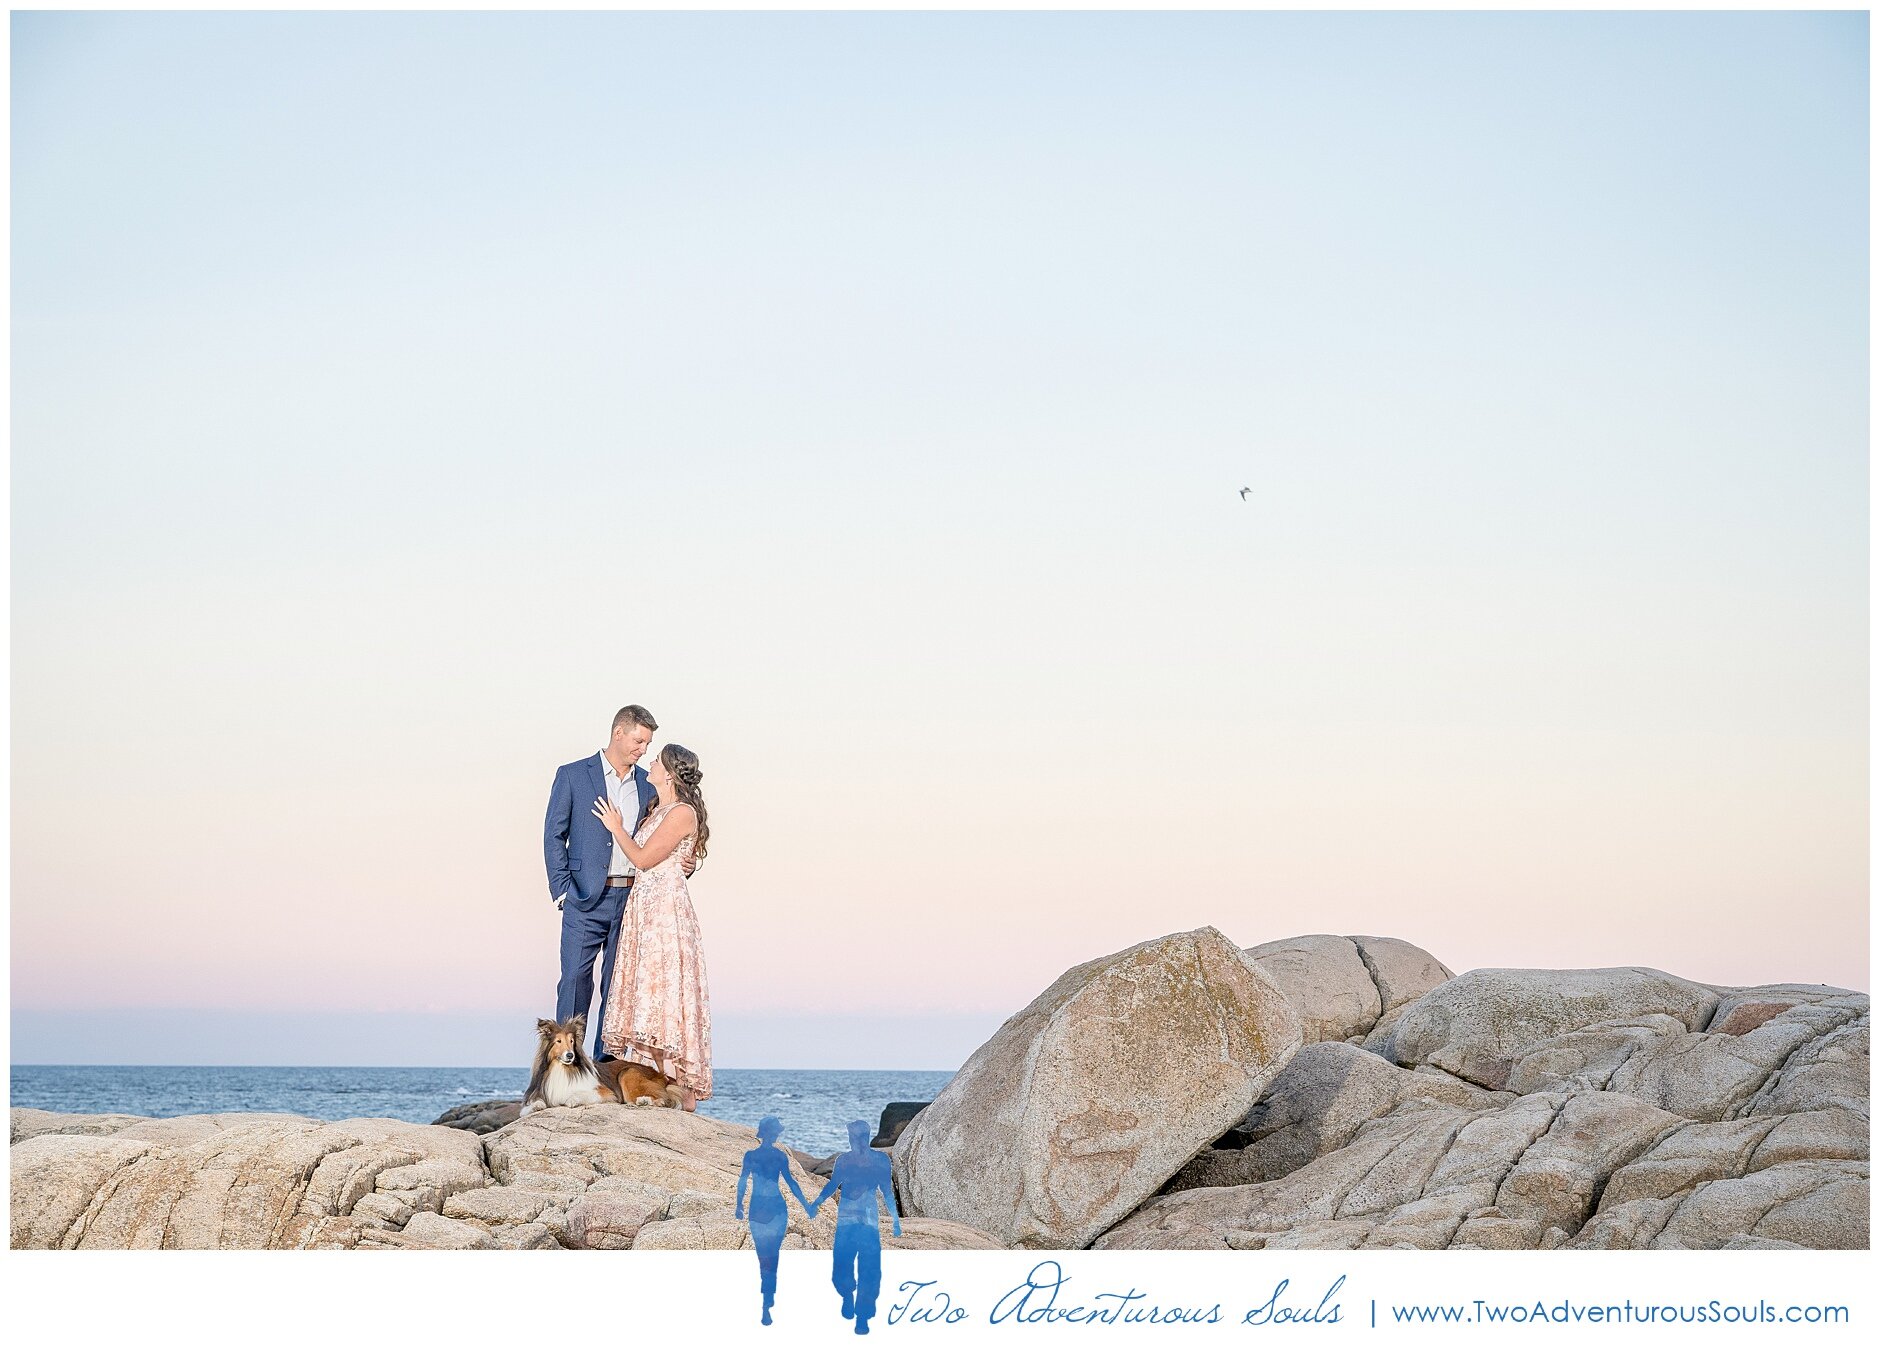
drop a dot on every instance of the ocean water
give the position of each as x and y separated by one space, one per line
815 1106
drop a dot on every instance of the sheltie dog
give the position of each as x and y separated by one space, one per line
563 1074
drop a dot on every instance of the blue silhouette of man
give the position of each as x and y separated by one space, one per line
860 1174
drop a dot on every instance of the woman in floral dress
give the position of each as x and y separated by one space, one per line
658 1009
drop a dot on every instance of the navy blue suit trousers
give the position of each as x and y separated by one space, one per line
587 932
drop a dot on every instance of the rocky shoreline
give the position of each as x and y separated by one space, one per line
1326 1091
597 1176
1393 1105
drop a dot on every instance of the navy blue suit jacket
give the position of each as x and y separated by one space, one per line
575 843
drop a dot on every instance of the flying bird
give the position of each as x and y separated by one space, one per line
1243 492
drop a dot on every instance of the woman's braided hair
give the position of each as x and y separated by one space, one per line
682 765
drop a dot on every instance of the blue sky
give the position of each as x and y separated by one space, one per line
397 395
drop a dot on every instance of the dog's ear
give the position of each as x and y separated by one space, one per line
579 1026
546 1027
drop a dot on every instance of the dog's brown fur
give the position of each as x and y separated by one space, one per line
561 1063
638 1084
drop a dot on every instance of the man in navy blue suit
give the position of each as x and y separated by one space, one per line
587 874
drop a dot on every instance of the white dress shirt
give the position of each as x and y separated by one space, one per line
629 809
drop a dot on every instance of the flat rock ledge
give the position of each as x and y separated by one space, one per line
597 1177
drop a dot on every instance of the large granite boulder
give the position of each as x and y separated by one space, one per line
1087 1100
1403 973
1325 979
1345 985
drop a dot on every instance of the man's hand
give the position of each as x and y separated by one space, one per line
688 864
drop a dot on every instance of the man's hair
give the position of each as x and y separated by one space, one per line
633 716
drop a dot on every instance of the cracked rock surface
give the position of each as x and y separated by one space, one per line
600 1176
1087 1100
1540 1109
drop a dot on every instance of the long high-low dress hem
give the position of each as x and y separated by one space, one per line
658 1006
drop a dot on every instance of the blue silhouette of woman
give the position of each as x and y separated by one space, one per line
770 1216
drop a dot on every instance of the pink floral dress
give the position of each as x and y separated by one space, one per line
658 1009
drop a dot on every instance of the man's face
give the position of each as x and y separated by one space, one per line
635 742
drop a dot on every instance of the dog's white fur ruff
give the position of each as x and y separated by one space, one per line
567 1084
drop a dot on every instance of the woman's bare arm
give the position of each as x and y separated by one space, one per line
678 824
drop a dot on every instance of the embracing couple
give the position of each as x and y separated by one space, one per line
620 842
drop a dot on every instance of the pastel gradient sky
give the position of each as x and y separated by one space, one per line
394 396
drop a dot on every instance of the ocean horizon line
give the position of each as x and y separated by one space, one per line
816 1105
166 1036
440 1067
